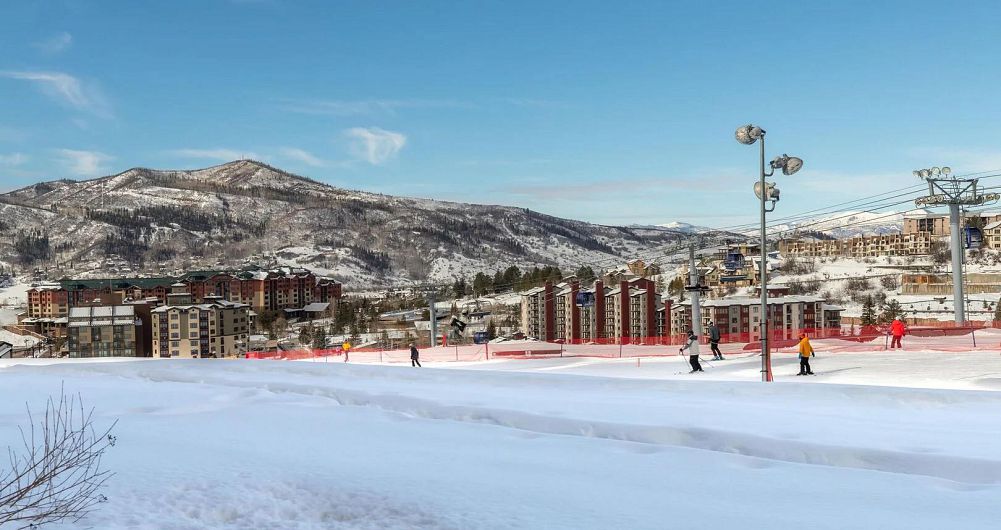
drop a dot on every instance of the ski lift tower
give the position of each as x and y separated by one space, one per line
945 189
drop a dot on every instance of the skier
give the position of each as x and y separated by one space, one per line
693 357
414 354
805 352
714 341
897 330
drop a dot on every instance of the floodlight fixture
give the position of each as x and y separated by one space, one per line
771 192
788 164
748 134
946 170
936 171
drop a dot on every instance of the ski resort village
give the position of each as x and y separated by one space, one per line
500 265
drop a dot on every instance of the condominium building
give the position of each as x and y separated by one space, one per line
214 328
631 312
740 317
261 289
937 223
912 244
104 331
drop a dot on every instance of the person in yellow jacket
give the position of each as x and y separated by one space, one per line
805 352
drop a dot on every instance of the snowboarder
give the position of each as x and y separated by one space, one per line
897 330
805 352
714 341
414 354
693 357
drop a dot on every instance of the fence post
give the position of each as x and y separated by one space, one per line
973 332
456 352
620 348
486 350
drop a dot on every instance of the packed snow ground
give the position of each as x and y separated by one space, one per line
548 443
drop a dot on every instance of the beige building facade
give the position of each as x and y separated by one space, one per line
216 328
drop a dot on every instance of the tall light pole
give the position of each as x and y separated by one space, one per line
946 189
766 192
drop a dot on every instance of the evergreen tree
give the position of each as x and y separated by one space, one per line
512 276
306 335
868 312
586 275
892 311
481 284
491 330
459 288
320 337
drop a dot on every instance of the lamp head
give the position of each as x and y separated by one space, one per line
788 164
748 134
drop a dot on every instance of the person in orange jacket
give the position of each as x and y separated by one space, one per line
897 330
805 352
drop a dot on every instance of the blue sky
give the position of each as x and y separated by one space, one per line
613 112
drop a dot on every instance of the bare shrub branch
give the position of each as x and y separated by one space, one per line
56 475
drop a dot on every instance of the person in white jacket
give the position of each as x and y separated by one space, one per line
693 352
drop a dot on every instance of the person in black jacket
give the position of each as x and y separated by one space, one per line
714 341
414 354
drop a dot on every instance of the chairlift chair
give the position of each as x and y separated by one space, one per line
584 299
973 237
734 260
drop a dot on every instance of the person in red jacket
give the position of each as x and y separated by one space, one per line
897 330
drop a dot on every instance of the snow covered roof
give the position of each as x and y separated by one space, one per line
316 307
993 225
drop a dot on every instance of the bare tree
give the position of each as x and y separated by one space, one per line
57 475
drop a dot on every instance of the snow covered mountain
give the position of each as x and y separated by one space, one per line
844 224
836 225
145 221
685 227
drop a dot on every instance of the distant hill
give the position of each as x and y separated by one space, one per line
145 221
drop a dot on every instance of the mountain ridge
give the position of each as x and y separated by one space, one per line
146 221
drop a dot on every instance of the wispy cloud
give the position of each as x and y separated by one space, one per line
65 89
13 159
84 163
341 107
56 43
221 154
375 145
303 156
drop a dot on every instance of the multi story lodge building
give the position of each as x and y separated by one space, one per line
630 312
104 331
276 289
740 317
913 244
212 328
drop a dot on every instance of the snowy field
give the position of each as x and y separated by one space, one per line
546 443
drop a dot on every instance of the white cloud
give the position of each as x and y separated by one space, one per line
64 88
84 163
13 159
301 155
375 145
56 43
223 155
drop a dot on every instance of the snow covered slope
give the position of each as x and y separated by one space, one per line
266 444
156 221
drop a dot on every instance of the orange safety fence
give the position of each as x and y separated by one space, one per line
948 337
